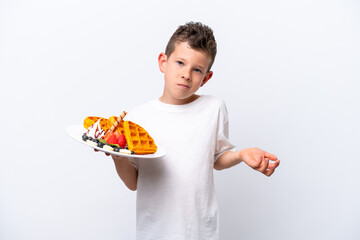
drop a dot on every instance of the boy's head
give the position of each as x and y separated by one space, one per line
186 63
198 36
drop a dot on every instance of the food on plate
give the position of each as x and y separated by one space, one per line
138 139
114 134
103 122
107 147
89 141
95 130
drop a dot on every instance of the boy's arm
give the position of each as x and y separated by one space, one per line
126 171
254 157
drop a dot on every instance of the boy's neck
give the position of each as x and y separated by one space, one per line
190 99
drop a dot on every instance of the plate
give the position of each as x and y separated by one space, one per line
76 132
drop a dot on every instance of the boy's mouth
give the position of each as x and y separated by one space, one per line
183 86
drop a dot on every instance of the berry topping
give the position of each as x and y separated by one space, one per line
112 139
121 141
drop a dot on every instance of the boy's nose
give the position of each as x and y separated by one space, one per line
186 74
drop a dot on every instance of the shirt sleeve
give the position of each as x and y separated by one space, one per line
223 143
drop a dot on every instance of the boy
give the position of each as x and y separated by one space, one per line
175 193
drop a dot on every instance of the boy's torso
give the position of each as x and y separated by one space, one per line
176 193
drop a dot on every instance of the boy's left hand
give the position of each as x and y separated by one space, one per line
260 160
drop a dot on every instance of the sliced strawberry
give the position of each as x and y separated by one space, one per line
121 141
117 134
107 135
112 139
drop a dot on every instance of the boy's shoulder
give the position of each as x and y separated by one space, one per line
214 101
142 107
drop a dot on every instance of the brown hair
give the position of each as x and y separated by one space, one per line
197 35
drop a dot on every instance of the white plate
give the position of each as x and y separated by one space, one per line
76 132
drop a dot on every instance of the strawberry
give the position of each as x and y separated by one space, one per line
112 139
121 141
107 135
117 134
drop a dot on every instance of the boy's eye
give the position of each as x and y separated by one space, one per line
180 62
197 70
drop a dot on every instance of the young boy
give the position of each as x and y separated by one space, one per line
175 193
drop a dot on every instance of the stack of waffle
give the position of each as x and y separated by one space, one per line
137 138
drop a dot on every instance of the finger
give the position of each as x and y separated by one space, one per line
107 154
272 166
270 156
269 172
264 165
275 164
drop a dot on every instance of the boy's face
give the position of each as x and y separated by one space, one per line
185 71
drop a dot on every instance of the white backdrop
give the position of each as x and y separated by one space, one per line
288 71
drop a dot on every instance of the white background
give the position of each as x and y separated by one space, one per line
288 71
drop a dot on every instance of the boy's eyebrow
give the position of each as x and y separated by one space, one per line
199 66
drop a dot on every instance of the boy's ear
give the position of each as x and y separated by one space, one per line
162 60
206 78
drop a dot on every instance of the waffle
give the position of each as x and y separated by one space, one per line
119 128
104 123
91 120
138 139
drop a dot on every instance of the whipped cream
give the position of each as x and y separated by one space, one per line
95 130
